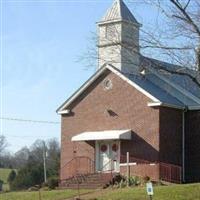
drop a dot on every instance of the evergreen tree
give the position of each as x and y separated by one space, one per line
11 176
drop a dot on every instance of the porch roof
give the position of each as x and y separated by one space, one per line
103 135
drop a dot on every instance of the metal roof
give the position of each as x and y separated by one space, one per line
119 11
182 87
161 94
183 81
103 135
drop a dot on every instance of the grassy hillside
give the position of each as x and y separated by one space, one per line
45 195
174 192
3 176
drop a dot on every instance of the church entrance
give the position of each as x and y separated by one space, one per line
107 156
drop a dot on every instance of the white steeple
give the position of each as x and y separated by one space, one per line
119 38
119 11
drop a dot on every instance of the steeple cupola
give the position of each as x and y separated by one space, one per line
119 38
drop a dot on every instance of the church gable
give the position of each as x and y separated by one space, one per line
109 88
109 103
97 79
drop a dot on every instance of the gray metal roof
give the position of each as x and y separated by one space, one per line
184 82
119 11
155 90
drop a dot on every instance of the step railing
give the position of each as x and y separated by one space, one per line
109 173
78 166
80 176
168 172
84 165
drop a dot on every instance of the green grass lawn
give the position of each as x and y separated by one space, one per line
45 195
3 176
173 192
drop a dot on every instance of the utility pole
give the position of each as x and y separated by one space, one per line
44 162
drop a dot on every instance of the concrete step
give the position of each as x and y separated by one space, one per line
84 186
97 180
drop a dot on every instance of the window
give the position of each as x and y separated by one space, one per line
107 84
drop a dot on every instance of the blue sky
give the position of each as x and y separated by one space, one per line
42 41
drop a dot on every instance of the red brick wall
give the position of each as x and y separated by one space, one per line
171 141
170 136
142 170
157 132
192 146
89 113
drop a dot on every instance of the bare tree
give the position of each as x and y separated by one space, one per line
3 143
20 158
179 38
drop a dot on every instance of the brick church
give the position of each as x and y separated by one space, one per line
134 111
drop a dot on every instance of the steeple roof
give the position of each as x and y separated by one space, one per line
119 11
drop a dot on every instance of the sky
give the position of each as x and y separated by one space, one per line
41 46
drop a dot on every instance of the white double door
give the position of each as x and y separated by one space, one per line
107 155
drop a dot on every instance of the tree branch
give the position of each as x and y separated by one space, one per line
186 15
157 66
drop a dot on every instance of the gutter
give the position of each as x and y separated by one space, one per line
193 107
155 104
63 112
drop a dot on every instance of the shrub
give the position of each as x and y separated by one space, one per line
44 184
52 182
11 176
27 177
122 183
134 180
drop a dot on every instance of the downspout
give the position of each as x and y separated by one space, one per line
183 144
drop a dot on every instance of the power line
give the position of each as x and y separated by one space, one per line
27 136
29 120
